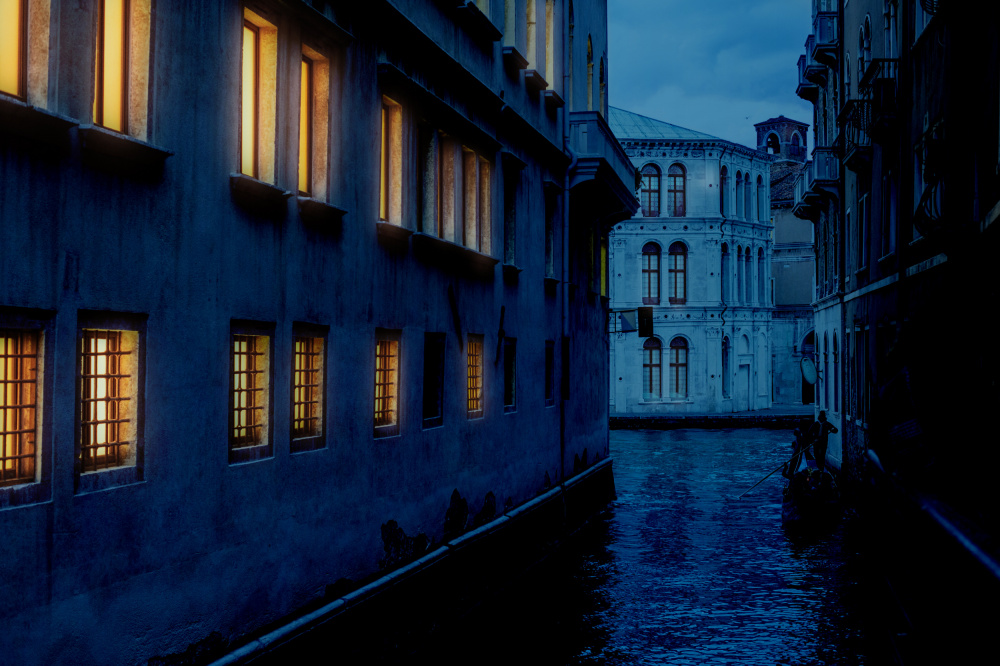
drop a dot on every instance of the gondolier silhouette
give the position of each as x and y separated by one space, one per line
817 436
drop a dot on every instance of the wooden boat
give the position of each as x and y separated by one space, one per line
810 499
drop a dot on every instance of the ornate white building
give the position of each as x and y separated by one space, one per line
698 255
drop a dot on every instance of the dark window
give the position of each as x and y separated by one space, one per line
509 374
675 191
550 361
433 379
678 368
649 191
651 274
651 370
677 273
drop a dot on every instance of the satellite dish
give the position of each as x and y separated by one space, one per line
809 372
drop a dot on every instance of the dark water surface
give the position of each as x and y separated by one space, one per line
679 571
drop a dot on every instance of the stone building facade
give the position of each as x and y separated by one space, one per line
698 254
281 282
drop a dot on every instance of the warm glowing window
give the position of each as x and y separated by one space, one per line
18 406
391 163
107 399
314 94
250 361
386 385
650 274
475 376
121 66
13 46
307 391
257 97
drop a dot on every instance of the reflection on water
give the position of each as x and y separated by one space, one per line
679 571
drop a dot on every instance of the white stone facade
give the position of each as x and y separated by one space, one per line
704 269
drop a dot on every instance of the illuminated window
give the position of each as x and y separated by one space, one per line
19 352
390 208
649 191
250 360
475 376
386 384
121 66
509 375
107 417
651 370
24 50
314 95
677 273
257 97
678 368
651 274
307 393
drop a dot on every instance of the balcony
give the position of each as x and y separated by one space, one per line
804 207
824 172
806 89
813 71
880 87
827 40
854 121
602 167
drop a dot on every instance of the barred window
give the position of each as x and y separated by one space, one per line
475 376
386 385
307 392
18 406
678 368
107 399
651 370
250 375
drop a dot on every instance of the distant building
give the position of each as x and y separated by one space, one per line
291 293
698 253
792 262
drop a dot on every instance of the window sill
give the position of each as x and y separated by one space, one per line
551 285
476 22
23 494
476 416
434 422
509 409
90 482
31 122
258 196
320 213
550 402
386 432
453 254
534 80
122 148
392 233
679 301
307 444
650 301
247 454
511 273
513 59
553 100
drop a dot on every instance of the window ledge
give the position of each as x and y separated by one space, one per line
320 213
122 147
433 422
553 100
307 444
534 80
386 432
476 21
440 249
511 273
509 409
513 59
258 196
248 454
680 301
32 122
23 494
393 232
650 301
103 479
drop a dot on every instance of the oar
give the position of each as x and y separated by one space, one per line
794 456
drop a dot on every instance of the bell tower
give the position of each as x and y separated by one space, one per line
783 137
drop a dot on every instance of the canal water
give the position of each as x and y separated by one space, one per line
677 570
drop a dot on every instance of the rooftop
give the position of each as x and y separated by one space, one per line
628 125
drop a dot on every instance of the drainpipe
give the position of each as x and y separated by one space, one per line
564 301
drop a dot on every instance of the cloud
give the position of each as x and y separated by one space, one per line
711 65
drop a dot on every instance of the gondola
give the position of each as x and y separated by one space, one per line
810 498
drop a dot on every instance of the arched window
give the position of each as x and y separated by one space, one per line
651 370
723 187
739 191
773 144
739 273
724 274
864 48
677 273
678 369
725 368
675 190
747 201
761 274
651 274
761 200
649 191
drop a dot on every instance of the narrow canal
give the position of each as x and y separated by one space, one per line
676 571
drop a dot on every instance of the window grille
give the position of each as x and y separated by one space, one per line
307 389
18 405
248 391
105 400
386 385
475 381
